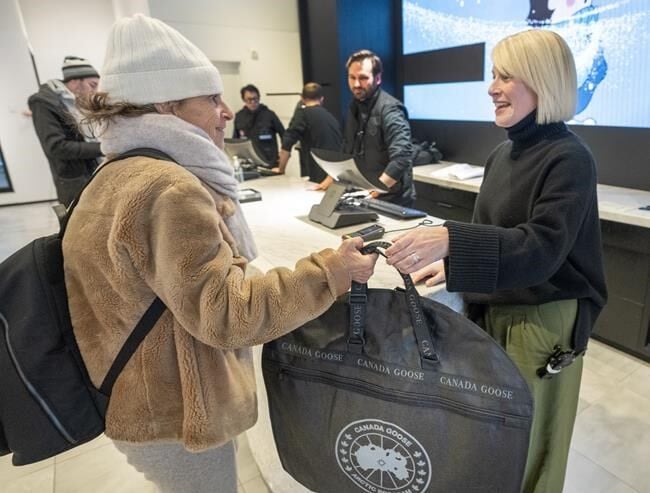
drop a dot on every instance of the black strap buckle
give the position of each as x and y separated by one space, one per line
355 346
358 298
556 362
376 247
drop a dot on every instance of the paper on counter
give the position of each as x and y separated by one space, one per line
346 171
460 171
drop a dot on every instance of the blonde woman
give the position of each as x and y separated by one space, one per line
530 263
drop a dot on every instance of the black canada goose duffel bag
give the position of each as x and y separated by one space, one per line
391 392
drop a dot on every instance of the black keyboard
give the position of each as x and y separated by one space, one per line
392 210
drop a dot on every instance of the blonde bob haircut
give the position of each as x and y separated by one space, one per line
542 60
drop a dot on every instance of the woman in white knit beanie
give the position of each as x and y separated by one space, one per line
147 227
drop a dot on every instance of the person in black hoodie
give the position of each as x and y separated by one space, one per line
530 264
377 132
257 122
72 156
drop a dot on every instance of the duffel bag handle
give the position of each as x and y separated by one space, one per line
358 307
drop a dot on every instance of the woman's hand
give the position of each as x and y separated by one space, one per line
432 274
418 248
360 266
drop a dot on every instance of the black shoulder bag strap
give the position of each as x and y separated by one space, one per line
358 306
157 307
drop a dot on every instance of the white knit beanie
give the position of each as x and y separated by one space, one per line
149 62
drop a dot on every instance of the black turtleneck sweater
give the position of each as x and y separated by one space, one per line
535 234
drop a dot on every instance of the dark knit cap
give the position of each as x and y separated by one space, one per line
77 68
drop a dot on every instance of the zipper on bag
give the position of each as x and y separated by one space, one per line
394 395
51 415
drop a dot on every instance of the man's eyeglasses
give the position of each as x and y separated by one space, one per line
252 100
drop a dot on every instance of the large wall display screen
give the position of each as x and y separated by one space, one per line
447 46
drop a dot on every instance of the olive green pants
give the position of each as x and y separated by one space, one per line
528 333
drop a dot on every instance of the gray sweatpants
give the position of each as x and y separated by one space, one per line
175 470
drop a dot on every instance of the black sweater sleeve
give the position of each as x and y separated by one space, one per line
559 192
296 130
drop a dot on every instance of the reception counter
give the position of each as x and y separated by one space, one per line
284 234
617 204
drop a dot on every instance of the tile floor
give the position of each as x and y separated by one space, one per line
610 451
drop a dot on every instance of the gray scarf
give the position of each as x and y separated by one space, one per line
191 148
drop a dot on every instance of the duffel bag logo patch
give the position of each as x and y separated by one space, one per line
381 457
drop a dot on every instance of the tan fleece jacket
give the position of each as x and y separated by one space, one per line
145 226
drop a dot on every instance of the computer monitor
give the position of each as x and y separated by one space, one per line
244 149
331 212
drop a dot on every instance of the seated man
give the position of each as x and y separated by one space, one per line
315 128
257 122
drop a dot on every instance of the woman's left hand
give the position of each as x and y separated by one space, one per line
431 274
415 249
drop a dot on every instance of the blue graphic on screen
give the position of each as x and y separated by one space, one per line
610 41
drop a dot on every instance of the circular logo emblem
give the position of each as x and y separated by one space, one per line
381 457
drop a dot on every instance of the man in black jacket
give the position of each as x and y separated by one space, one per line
257 122
377 131
72 156
315 128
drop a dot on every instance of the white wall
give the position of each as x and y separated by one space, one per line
25 162
227 31
261 35
54 29
66 27
126 8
